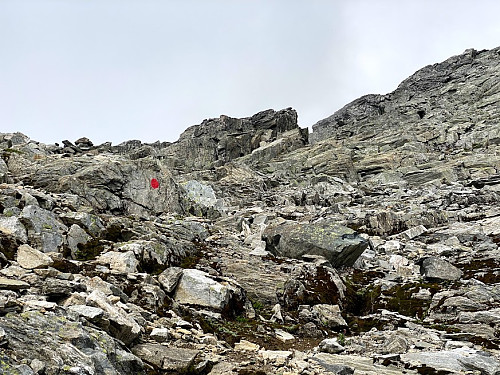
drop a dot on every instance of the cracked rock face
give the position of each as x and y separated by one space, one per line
251 247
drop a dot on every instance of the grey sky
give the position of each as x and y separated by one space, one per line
114 70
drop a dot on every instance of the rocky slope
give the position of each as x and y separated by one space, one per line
251 247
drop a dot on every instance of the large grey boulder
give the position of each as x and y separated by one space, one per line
122 326
340 245
434 268
200 199
43 228
200 289
122 262
115 184
173 360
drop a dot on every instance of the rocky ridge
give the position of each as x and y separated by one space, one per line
369 246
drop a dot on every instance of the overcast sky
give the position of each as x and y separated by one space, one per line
115 70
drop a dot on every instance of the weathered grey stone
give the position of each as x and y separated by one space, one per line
57 343
278 357
200 199
76 236
169 278
435 268
484 362
90 222
329 315
339 245
120 262
88 312
159 334
331 346
198 288
121 326
10 284
30 258
456 360
284 336
414 232
13 226
165 358
43 228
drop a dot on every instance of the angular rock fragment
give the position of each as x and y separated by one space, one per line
434 268
166 358
120 262
43 228
198 288
331 346
30 258
122 326
13 226
169 278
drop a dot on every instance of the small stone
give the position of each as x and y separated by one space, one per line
121 262
37 366
165 358
414 232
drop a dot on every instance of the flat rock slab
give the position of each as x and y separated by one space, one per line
12 284
361 365
456 360
30 258
169 359
340 245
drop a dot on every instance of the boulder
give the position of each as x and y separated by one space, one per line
340 245
122 326
76 236
169 278
56 343
120 262
11 284
434 268
175 360
43 228
329 315
198 288
200 200
30 258
330 346
13 226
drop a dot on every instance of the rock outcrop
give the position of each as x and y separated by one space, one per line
244 249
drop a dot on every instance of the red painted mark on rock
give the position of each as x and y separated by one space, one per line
154 183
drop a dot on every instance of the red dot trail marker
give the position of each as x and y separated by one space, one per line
154 183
